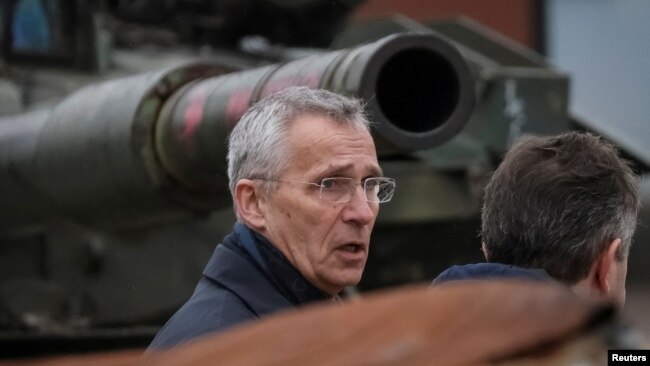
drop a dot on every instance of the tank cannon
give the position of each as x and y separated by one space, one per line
149 145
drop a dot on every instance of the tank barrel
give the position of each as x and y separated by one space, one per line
153 145
418 90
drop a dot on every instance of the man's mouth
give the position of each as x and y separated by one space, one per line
352 248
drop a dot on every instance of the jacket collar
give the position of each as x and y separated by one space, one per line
251 267
484 271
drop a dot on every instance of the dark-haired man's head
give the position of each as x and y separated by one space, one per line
567 204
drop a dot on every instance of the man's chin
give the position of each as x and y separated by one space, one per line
349 279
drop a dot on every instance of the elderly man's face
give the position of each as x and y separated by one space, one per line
327 242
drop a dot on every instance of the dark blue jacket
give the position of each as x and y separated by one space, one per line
245 279
489 271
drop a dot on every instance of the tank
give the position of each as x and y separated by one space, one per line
113 191
115 194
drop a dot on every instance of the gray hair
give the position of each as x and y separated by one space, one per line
257 147
557 202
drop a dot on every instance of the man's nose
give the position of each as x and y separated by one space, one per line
359 210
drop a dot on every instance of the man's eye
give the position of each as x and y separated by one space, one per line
371 183
335 183
329 183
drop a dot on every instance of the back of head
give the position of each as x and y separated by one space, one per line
557 202
257 145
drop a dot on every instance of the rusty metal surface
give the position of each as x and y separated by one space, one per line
471 323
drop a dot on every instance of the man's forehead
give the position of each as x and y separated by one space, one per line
342 167
325 133
322 145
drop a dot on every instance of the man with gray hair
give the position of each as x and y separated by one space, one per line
306 187
561 207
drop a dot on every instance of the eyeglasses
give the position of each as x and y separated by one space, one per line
341 190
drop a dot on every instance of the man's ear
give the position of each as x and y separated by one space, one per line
605 264
248 200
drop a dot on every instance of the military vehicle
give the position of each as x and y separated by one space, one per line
112 146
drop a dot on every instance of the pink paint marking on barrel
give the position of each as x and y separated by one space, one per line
193 116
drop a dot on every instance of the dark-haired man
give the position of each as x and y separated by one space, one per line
561 207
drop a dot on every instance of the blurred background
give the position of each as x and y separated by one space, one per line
106 220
